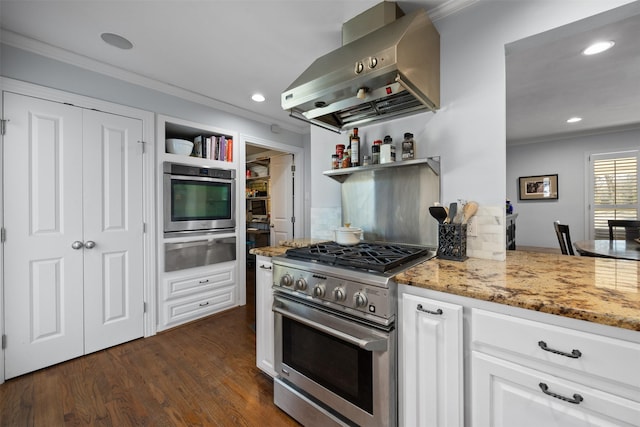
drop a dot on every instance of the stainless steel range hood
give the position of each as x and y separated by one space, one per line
392 71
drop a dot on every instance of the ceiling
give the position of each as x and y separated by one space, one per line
220 52
550 81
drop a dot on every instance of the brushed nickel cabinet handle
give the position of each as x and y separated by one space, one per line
575 354
575 400
438 312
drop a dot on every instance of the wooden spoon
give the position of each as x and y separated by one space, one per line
469 210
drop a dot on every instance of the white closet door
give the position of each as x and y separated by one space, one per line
43 217
113 221
281 198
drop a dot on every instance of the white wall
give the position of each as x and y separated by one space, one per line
567 158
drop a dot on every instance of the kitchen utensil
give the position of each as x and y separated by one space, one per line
453 210
439 213
347 235
469 210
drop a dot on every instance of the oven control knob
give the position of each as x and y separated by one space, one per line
301 284
286 280
318 291
360 299
339 294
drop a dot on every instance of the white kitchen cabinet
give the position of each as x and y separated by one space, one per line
529 373
431 362
264 315
190 294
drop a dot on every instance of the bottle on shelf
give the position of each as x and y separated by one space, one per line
355 148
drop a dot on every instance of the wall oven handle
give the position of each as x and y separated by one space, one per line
369 344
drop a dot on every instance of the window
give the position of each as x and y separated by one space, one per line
614 188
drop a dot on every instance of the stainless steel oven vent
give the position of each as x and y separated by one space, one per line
390 72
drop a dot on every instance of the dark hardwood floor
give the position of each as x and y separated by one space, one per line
199 374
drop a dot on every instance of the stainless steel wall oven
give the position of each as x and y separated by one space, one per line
198 199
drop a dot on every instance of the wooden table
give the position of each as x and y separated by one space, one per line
620 249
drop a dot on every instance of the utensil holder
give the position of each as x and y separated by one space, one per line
452 241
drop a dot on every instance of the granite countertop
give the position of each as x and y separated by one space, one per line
598 290
283 245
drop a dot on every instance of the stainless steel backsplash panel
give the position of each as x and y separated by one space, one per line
392 204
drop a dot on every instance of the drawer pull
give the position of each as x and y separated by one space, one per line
204 281
438 312
575 354
265 268
203 304
576 397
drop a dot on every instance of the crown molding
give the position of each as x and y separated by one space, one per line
448 8
25 43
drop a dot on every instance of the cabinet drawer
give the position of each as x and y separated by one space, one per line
191 308
592 354
179 287
508 394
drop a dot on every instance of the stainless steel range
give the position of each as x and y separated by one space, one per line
335 334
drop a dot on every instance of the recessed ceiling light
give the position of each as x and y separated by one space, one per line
257 97
574 119
116 41
598 47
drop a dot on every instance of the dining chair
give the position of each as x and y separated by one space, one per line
564 238
631 228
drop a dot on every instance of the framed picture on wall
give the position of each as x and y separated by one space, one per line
540 187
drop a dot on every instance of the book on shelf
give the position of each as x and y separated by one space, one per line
213 148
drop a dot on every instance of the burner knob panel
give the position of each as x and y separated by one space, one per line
301 284
318 291
360 299
339 294
286 280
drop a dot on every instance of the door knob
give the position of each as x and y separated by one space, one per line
77 245
90 244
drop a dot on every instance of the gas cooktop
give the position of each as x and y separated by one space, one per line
373 256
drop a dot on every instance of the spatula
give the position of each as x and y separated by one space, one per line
438 212
453 210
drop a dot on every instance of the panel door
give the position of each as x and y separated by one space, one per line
113 221
43 217
431 363
281 198
265 359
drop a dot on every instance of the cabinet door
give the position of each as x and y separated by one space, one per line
431 376
112 204
43 217
507 394
264 316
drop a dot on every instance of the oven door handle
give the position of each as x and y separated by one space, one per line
367 343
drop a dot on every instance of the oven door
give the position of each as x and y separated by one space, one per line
193 203
345 367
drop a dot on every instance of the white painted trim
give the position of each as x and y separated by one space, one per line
448 8
148 134
30 45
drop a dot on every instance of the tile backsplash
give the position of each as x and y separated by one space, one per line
490 243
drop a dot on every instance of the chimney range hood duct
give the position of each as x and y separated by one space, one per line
392 71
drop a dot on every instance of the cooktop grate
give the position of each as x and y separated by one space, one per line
378 257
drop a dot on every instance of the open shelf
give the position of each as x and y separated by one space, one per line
341 175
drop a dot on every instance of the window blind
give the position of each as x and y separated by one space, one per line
615 190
